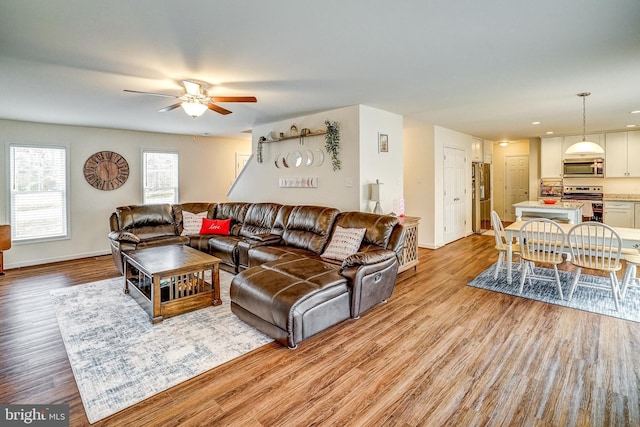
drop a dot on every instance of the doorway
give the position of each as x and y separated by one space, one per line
516 184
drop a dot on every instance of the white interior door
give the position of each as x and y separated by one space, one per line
516 183
454 193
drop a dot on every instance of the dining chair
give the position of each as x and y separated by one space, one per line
596 246
630 274
541 242
501 244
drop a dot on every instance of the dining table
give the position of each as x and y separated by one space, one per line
630 238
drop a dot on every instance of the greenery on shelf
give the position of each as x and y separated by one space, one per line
332 143
259 155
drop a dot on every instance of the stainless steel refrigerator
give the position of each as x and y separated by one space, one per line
481 197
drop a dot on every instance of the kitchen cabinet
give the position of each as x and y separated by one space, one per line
568 141
619 214
636 222
477 149
551 157
488 151
622 155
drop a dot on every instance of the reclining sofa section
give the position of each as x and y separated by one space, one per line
283 285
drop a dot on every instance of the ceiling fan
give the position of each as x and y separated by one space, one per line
195 100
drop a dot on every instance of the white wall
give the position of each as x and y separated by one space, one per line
207 169
419 177
424 177
345 189
387 167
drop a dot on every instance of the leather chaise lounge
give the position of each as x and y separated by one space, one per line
284 286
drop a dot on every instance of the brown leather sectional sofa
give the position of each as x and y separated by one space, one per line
282 286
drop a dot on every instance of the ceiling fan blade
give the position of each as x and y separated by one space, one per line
191 87
170 107
151 93
234 99
218 109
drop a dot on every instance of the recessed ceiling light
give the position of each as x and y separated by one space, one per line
631 126
535 123
635 112
549 132
504 143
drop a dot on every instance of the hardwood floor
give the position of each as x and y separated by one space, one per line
437 353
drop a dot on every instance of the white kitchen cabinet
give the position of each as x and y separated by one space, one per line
551 157
477 149
488 151
568 141
622 155
619 214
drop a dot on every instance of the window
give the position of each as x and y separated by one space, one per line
160 177
38 192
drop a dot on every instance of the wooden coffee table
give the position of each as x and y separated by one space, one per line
169 280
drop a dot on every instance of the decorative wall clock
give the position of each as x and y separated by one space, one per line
106 170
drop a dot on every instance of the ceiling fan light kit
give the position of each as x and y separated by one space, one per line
194 108
584 147
195 101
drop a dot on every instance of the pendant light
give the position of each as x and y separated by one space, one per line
584 147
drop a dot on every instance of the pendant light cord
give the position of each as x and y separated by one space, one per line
584 114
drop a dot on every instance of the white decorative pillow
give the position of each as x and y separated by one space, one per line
344 242
192 223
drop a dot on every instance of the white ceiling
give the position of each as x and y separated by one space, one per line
486 68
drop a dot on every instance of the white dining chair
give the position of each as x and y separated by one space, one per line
596 246
541 242
501 244
630 274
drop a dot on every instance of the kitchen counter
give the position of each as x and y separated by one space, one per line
622 197
571 211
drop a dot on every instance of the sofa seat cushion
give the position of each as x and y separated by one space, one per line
200 242
261 254
161 241
299 296
225 248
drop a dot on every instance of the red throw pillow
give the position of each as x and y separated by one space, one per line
215 226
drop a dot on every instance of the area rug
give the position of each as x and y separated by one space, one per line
119 358
587 299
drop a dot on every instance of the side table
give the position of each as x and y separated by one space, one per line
410 252
5 244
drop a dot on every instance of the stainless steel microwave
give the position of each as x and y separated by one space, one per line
583 168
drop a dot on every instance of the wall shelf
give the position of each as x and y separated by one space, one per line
295 137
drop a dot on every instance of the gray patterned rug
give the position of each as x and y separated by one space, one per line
587 299
119 358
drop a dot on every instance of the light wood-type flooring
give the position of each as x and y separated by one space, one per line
438 353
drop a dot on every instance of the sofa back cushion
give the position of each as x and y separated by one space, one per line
147 221
379 227
281 220
236 211
259 219
308 227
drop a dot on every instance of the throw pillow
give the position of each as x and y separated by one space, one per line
344 242
191 223
215 226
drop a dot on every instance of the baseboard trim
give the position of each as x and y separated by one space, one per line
55 259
